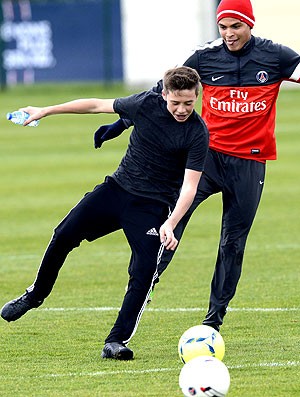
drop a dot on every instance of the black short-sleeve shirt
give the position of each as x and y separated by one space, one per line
160 148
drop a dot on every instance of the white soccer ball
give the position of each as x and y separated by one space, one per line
204 376
200 340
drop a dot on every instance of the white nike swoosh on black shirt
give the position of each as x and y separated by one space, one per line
216 78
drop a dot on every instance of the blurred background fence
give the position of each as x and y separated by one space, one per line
104 40
61 41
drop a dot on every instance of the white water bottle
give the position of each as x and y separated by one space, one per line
18 117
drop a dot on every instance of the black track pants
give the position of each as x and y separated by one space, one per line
106 209
241 183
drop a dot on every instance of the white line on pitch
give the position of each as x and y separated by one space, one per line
153 370
170 309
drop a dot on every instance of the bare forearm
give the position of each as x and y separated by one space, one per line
187 195
81 106
183 204
78 106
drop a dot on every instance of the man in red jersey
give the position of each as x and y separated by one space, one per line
241 76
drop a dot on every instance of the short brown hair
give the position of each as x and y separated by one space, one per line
181 78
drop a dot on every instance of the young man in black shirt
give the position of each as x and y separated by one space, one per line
165 156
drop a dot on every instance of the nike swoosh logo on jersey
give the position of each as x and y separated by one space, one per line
216 78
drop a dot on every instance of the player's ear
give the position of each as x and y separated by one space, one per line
164 94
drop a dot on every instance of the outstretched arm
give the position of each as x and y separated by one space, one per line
186 197
78 106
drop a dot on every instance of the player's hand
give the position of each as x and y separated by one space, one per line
98 135
167 236
107 132
35 113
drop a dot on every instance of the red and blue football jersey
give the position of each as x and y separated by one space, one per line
240 90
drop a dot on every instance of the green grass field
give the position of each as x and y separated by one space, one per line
55 350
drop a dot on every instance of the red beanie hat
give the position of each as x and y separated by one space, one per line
239 9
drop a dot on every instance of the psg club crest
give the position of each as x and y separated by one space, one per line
262 76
